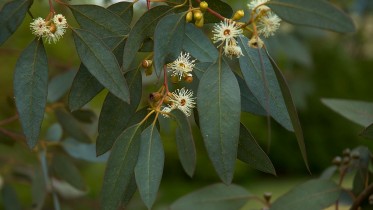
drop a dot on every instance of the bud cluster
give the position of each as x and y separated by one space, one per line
52 28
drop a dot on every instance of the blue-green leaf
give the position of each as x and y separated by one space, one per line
367 132
10 198
249 103
219 108
315 13
124 10
120 167
30 89
65 169
59 85
38 189
149 167
83 151
71 126
11 17
101 63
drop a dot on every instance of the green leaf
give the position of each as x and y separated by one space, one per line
85 86
214 197
311 195
129 191
124 10
149 167
11 17
219 108
84 115
198 45
251 153
98 20
59 85
249 103
83 151
359 112
66 170
30 89
10 198
328 172
71 126
54 132
264 87
143 29
38 189
120 167
168 40
200 68
315 13
115 113
292 110
101 63
367 132
184 142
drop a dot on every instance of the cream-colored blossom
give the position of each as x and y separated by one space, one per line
182 66
225 32
268 24
258 5
233 50
183 99
38 27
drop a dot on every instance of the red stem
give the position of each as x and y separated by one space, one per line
213 12
148 4
165 83
51 8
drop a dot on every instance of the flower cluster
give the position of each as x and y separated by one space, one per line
52 30
180 99
267 21
182 66
226 32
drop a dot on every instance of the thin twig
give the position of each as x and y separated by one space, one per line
213 12
9 120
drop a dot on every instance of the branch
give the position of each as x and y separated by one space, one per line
363 195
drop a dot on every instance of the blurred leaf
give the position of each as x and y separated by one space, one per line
71 126
11 17
66 190
98 20
359 112
316 13
143 28
101 63
85 86
83 151
59 85
149 166
198 45
292 110
54 132
10 198
264 87
168 40
219 109
30 89
120 167
328 172
311 195
214 197
220 7
38 189
361 164
124 10
251 153
115 113
367 132
84 115
249 103
66 170
184 142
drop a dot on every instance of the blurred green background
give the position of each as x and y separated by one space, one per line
317 65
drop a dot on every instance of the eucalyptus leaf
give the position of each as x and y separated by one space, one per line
66 170
120 167
315 13
10 198
84 115
251 153
214 197
101 63
149 166
367 132
83 151
38 189
249 103
184 142
311 195
219 108
200 68
54 132
71 126
30 89
124 10
59 85
11 17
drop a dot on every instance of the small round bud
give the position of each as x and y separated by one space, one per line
154 97
346 160
267 196
188 79
147 63
255 42
346 152
197 15
355 155
337 161
238 15
203 6
199 23
52 28
189 17
174 79
167 100
371 199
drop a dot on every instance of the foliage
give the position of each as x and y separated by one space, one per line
235 75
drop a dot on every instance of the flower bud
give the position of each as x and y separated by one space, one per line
337 161
188 79
267 196
146 63
255 42
238 15
52 28
155 97
355 155
174 79
203 6
189 17
199 23
197 15
346 152
167 100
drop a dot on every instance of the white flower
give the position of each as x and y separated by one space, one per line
255 42
258 5
268 24
58 33
226 32
60 20
183 99
39 27
167 109
182 66
233 50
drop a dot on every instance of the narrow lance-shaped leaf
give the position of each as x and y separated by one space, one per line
124 10
11 17
101 63
120 167
59 85
184 142
315 13
219 108
149 167
38 189
66 170
71 126
292 110
367 132
30 89
9 198
261 80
